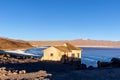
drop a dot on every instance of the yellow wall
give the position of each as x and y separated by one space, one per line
56 54
76 53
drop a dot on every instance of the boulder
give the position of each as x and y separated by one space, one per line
3 68
103 64
83 66
91 67
22 72
115 62
6 55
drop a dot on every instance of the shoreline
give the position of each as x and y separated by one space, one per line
98 47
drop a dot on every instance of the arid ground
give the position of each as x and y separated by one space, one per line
38 70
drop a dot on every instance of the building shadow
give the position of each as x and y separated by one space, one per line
49 66
70 60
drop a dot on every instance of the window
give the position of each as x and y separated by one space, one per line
78 55
73 55
51 54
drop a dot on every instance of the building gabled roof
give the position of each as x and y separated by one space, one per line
71 47
67 47
62 48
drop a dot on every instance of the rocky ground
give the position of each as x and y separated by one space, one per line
12 68
29 68
22 75
95 74
34 69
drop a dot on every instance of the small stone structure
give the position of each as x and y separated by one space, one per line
66 53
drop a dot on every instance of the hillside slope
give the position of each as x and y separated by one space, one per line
6 43
78 42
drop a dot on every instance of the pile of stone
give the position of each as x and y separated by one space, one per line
7 72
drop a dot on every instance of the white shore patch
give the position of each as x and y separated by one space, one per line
22 52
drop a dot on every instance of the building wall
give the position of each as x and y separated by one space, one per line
51 50
77 53
58 55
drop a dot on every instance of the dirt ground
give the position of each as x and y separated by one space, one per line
96 74
38 70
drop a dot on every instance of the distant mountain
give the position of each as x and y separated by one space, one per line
6 43
79 42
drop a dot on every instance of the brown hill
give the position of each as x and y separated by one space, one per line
6 43
78 42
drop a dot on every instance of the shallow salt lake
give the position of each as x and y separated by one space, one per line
90 56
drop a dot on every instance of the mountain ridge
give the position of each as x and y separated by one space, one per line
6 43
78 42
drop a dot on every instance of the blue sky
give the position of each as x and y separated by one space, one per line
60 19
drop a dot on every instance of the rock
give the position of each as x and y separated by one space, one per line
5 58
91 67
24 79
46 79
22 72
15 73
7 72
3 71
36 79
83 66
42 71
7 55
3 68
3 74
115 62
49 74
103 64
8 79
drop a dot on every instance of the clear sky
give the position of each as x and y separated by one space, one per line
60 19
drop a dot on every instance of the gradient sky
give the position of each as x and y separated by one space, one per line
60 19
